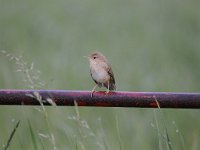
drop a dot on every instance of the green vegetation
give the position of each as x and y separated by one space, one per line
152 46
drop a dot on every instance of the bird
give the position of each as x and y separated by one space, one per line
101 72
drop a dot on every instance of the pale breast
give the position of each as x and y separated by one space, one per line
99 74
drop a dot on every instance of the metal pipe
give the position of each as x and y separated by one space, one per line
100 99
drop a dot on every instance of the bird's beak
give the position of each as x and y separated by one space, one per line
86 57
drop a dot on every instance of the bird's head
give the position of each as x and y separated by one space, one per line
96 57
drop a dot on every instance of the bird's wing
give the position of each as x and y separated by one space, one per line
112 78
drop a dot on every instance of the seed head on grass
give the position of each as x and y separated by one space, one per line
31 76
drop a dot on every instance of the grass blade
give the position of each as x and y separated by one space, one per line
11 136
32 136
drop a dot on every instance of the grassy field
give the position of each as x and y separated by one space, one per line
152 46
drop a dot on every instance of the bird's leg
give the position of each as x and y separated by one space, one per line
93 90
108 87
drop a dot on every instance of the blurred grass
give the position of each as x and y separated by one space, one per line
152 46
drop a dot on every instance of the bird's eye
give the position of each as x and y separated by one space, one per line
94 57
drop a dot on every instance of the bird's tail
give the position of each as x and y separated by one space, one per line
112 87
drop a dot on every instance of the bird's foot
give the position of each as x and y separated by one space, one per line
92 92
107 91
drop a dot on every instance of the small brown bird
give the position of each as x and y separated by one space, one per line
101 72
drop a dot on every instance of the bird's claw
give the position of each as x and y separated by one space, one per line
107 92
92 93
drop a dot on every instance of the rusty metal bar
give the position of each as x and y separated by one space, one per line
112 99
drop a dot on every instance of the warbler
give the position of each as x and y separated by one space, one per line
101 72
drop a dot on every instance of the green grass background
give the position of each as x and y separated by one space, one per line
152 46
